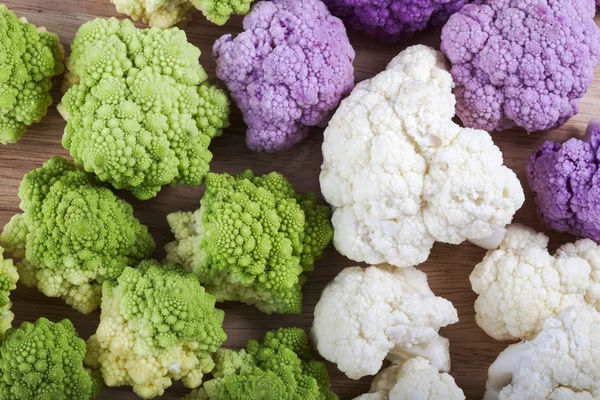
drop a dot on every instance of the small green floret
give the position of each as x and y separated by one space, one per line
73 234
252 240
8 282
44 361
279 368
29 58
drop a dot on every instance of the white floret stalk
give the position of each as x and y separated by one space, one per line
491 242
500 373
436 350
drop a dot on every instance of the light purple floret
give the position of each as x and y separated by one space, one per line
566 181
521 62
392 21
287 71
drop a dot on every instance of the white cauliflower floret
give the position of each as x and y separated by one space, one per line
562 362
401 175
415 379
520 284
367 315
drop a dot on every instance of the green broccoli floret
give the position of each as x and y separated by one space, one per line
73 234
279 368
166 13
44 361
8 282
252 240
157 324
29 58
140 112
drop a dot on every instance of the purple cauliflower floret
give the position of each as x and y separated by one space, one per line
566 182
287 71
392 21
521 62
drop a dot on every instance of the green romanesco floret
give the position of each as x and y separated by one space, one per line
252 240
157 325
168 13
29 58
73 234
279 368
8 282
44 361
140 112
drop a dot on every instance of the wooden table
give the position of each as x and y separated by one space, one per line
448 266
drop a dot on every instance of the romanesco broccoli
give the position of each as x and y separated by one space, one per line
140 113
73 234
157 324
44 361
252 240
279 368
8 283
30 57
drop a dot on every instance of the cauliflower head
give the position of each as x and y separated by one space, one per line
30 58
368 314
167 13
561 363
414 379
287 71
279 368
521 63
73 234
8 282
401 175
157 325
44 361
252 240
140 112
520 284
393 20
566 183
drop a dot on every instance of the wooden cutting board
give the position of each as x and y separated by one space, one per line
448 266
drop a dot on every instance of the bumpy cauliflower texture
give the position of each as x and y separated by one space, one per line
252 240
44 361
415 379
141 113
278 368
520 284
521 62
157 324
167 13
73 234
366 315
287 71
401 175
394 20
8 283
29 58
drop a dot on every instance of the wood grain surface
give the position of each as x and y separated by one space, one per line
448 266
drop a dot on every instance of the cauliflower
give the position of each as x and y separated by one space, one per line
8 283
415 379
252 240
366 315
401 175
29 59
561 363
280 368
520 284
44 361
521 62
140 113
157 324
566 183
167 13
394 20
287 71
73 234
